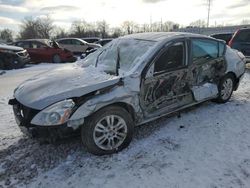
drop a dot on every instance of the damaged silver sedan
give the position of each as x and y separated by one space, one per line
132 80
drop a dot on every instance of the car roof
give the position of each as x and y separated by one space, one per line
160 36
69 38
90 38
222 34
245 29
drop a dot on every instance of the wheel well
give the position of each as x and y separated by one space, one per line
129 108
236 80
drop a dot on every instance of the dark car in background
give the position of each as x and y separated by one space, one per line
103 42
223 36
12 57
45 50
241 41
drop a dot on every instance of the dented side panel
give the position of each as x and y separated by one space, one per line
169 90
126 93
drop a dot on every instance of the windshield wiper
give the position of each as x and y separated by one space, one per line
117 62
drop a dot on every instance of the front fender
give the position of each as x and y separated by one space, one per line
117 95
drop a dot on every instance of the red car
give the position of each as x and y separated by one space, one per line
44 50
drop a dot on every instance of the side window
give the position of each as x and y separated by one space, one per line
23 44
243 36
172 58
37 45
76 42
65 41
204 50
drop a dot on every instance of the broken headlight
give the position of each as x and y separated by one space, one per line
55 114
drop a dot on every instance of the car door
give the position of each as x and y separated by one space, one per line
165 87
39 51
67 44
79 46
206 68
241 41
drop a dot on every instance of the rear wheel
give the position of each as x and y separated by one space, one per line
107 131
57 59
225 88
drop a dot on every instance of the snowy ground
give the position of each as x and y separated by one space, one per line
208 146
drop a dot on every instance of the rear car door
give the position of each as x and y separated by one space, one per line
67 44
165 87
206 68
79 46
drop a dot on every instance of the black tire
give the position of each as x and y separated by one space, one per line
13 63
222 98
56 59
87 130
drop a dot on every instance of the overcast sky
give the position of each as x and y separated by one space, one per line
63 12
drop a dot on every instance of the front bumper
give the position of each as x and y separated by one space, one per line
24 115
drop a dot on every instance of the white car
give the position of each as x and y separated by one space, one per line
128 82
76 45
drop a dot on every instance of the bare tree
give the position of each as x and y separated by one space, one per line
198 23
45 27
6 35
116 32
36 28
79 28
103 27
128 27
60 32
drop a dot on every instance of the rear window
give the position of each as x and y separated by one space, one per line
204 50
242 36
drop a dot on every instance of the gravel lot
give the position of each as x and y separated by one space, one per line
208 146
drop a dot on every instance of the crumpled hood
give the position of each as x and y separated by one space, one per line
61 83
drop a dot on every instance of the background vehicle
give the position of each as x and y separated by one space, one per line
130 81
91 39
241 41
103 42
44 50
75 45
223 36
12 57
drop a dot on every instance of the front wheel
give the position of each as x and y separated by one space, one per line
225 88
107 131
56 59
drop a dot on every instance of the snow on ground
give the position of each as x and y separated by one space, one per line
208 146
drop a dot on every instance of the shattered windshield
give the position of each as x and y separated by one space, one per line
120 53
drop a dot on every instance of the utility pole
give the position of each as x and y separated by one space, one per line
208 12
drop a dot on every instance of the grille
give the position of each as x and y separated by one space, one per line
24 114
